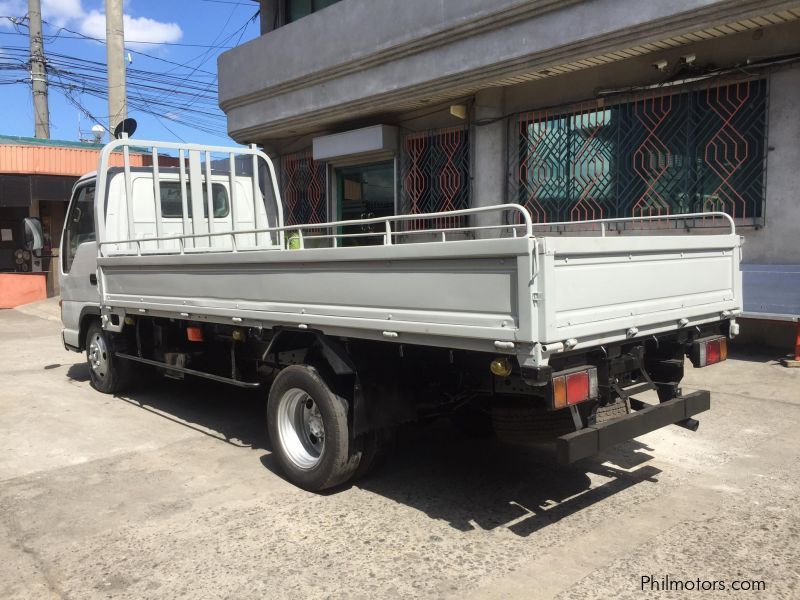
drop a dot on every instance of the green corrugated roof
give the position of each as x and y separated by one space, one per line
17 140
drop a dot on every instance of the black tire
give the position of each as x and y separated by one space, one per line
473 422
108 374
306 462
376 447
519 421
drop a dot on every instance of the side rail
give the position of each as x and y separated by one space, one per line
397 229
602 227
190 168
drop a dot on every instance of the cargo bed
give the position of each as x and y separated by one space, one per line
433 279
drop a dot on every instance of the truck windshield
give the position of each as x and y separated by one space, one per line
80 224
171 206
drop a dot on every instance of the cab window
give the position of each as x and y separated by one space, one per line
171 206
80 224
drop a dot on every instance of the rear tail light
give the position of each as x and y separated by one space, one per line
708 351
573 387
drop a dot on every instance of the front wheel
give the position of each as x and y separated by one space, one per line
309 430
108 373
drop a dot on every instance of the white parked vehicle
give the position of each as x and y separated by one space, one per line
541 334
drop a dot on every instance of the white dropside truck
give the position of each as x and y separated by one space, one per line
539 334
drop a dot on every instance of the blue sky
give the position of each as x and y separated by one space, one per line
172 74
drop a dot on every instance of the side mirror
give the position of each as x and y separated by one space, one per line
34 237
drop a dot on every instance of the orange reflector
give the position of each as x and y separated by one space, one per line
723 349
559 392
194 334
577 387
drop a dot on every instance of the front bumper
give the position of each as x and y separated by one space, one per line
66 345
591 440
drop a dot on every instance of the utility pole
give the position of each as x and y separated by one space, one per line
38 72
115 59
41 112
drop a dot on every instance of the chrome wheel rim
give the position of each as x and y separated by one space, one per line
98 356
300 428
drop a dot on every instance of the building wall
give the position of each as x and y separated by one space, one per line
494 109
778 242
492 117
360 58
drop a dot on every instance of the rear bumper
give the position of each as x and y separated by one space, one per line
591 440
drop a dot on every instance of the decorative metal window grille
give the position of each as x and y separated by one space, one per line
304 189
686 151
435 174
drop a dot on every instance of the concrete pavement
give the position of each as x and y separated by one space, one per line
169 491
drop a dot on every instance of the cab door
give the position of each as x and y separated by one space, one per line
78 270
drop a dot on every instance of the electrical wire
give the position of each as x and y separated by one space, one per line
185 88
76 35
229 2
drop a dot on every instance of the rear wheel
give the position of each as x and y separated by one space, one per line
309 430
473 422
520 421
108 373
376 446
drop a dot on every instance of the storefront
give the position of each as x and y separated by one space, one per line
36 179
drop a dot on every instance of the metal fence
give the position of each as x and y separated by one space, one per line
304 189
658 153
435 167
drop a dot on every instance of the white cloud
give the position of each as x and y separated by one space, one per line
137 29
57 12
70 13
11 8
62 12
143 29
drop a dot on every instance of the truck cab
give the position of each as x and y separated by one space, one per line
78 263
80 300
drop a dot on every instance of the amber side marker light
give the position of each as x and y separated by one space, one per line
500 366
573 387
194 334
709 351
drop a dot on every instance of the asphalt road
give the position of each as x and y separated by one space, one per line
170 492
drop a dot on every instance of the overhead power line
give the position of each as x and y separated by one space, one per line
250 4
184 94
76 35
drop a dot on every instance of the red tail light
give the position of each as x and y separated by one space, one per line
573 387
708 351
577 387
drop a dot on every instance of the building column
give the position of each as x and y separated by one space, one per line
489 154
777 242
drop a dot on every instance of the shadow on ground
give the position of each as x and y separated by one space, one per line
231 415
485 484
757 354
433 468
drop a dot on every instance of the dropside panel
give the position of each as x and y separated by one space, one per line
612 288
433 290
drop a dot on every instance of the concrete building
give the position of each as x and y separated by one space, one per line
575 109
